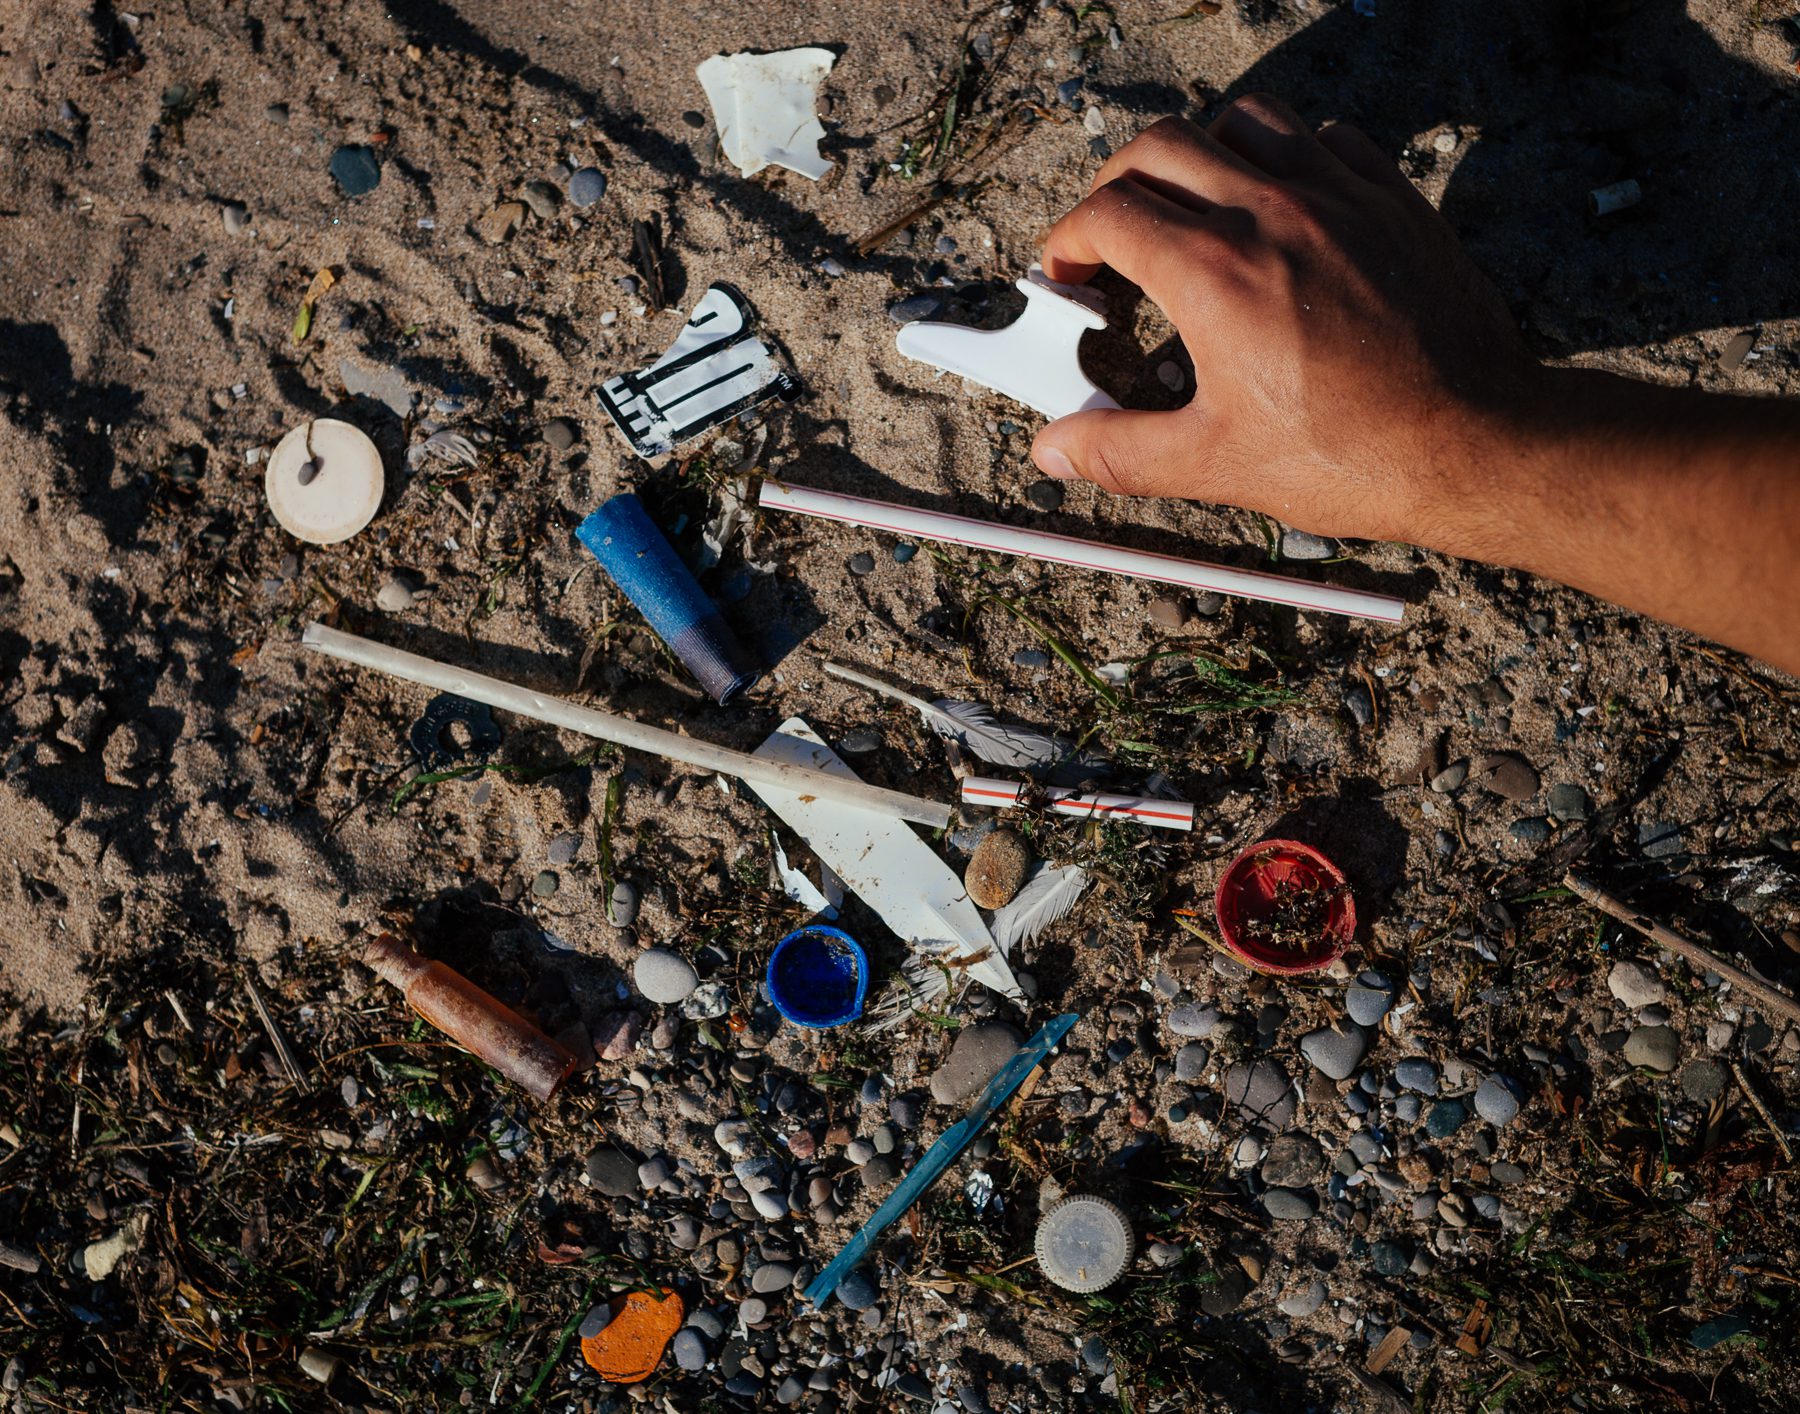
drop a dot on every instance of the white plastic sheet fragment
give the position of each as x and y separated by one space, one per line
765 106
882 862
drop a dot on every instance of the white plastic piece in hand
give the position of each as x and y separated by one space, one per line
764 105
1035 360
324 481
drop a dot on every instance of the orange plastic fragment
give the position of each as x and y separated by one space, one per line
631 1346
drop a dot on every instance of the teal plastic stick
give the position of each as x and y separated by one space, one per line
941 1155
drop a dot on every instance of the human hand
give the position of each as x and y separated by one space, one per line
1356 374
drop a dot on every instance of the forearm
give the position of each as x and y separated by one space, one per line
1678 504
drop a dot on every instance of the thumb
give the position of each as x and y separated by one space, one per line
1123 450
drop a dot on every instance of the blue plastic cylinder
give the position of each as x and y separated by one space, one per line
818 977
642 562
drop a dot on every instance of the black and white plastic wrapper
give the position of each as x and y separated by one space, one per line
715 369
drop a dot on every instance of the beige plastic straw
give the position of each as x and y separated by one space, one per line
1083 554
622 731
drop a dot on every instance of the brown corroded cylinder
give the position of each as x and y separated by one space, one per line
479 1022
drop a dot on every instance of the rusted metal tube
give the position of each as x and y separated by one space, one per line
480 1023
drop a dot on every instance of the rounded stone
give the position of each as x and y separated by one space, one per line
560 433
1045 495
236 217
1495 1101
858 1290
862 562
612 1171
976 1056
622 904
542 198
1703 1080
587 186
1304 1302
1634 984
1170 612
395 596
355 170
689 1349
997 869
1289 1205
772 1277
664 977
1655 1048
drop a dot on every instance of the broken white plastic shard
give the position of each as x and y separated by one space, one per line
765 106
884 863
801 889
714 370
1036 359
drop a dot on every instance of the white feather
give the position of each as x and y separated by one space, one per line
1048 895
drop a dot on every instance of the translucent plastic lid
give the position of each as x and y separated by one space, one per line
1084 1244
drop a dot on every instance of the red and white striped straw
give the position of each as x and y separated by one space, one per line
1083 554
1145 809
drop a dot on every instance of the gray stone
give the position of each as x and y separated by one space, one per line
622 904
1635 985
612 1171
1170 612
1367 1003
1304 1302
542 198
1336 1051
560 433
236 217
1298 545
653 1172
862 563
1495 1101
978 1053
689 1349
1450 777
753 1311
684 1232
587 186
387 386
1659 840
1569 802
395 596
1532 829
355 170
770 1204
1046 495
1417 1074
1293 1161
859 1151
915 307
1655 1048
1262 1093
1507 774
1703 1080
1191 1020
858 1290
664 977
772 1277
1190 1062
1359 704
1289 1205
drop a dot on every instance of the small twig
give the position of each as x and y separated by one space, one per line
175 1006
19 1259
296 1076
1757 1104
1770 996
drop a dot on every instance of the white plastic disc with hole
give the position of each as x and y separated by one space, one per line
1085 1243
345 491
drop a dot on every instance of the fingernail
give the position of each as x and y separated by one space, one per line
1053 462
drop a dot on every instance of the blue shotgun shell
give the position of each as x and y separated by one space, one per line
642 562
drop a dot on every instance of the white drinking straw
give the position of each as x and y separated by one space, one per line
1083 554
1145 809
620 730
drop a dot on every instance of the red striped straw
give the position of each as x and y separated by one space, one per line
1083 554
1145 809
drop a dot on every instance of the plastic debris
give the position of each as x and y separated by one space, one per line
823 899
324 481
818 977
941 526
642 562
714 370
1284 908
1144 809
886 865
397 662
629 1346
437 747
1085 1243
480 1023
765 107
941 1155
1035 360
1603 201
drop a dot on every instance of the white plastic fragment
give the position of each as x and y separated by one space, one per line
765 108
1034 360
1603 201
1145 809
324 481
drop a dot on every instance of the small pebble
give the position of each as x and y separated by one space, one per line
1170 612
1046 495
1495 1101
395 596
664 977
862 563
236 217
997 869
1359 704
1298 545
587 186
1656 1048
915 307
542 198
355 170
622 904
560 433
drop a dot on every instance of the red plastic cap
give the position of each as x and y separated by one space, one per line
1255 884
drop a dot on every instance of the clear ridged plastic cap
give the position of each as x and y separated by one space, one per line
1085 1244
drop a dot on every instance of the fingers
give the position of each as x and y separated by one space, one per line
1180 160
1266 132
1127 452
1358 151
1143 235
